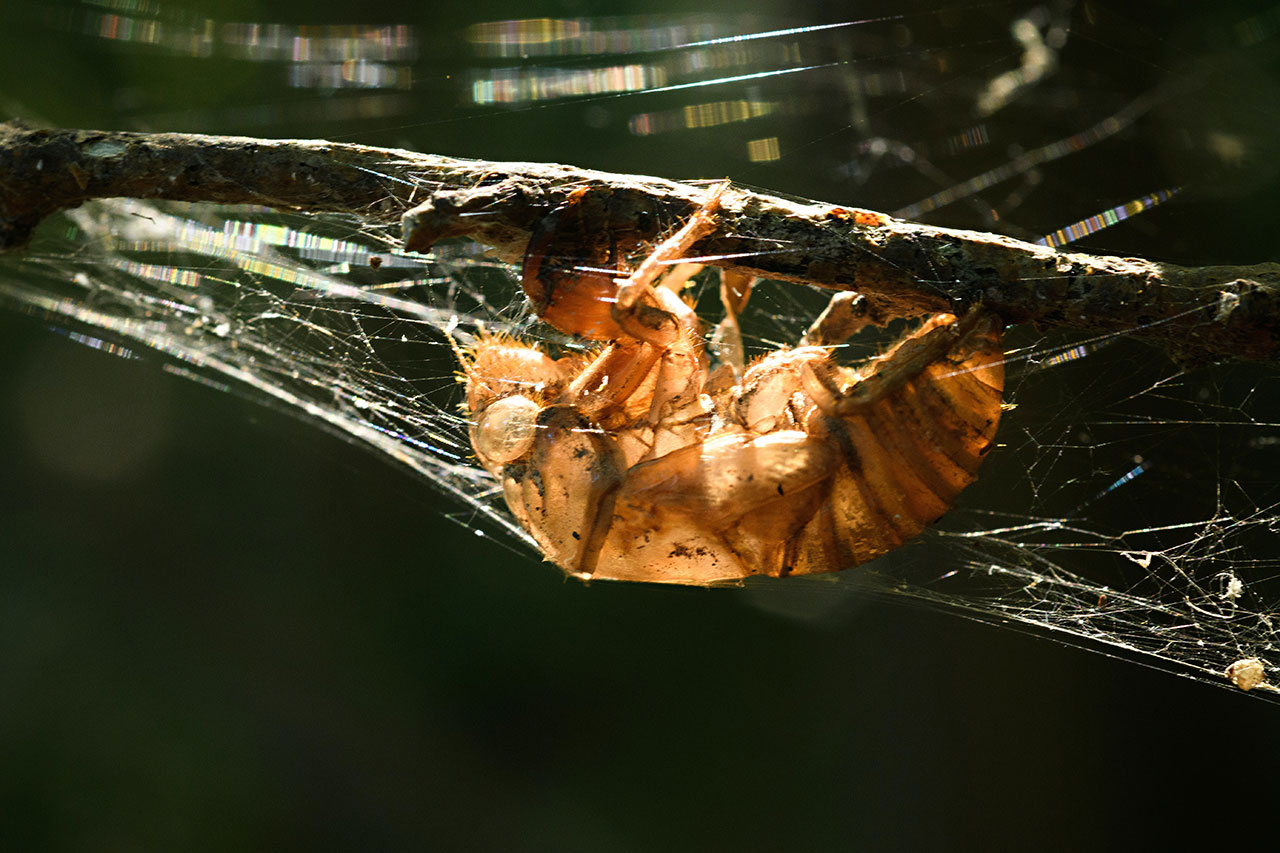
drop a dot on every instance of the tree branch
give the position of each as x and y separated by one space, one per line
1196 315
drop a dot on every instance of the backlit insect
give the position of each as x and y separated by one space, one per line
636 463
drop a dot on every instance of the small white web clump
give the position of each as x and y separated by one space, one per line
1247 673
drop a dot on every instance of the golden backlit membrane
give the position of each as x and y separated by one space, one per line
536 37
763 150
1106 218
695 116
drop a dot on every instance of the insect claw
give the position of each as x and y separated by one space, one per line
848 313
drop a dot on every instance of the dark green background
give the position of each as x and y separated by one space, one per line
255 636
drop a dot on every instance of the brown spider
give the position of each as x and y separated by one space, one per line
635 464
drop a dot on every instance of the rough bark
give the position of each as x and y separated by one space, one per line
1196 315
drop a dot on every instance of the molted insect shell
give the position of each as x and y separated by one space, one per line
883 453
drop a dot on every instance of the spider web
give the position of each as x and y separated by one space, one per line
1130 505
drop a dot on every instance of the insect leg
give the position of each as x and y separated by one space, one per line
848 313
943 348
639 309
726 340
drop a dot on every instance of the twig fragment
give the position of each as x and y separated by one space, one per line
1196 315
